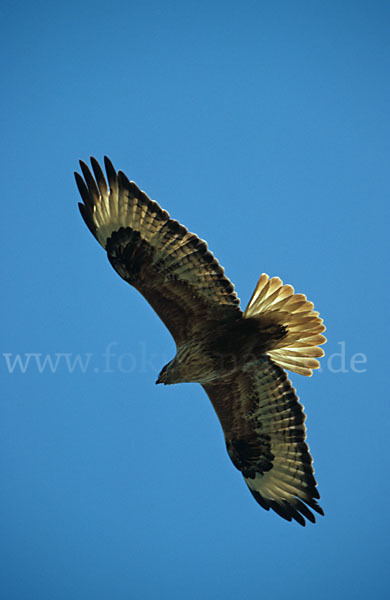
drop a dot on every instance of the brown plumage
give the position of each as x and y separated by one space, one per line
237 357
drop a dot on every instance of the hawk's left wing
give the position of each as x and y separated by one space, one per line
264 429
171 267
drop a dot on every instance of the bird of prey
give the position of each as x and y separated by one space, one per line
238 357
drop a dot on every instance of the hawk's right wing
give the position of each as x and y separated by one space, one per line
264 429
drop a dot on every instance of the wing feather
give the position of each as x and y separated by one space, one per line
264 429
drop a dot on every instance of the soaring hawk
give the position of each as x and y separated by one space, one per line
238 357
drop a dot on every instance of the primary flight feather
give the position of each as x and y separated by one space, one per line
238 357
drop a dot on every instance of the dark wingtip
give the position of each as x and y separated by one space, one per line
94 163
108 165
99 176
111 173
290 511
123 179
84 192
87 218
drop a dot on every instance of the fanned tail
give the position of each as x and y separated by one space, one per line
299 349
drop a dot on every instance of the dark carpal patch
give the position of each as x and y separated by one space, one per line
251 454
128 252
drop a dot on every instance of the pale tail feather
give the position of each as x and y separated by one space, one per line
299 349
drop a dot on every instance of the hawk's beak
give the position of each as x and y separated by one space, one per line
162 377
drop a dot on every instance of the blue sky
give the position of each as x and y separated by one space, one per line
264 128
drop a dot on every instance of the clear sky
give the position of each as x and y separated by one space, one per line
264 128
